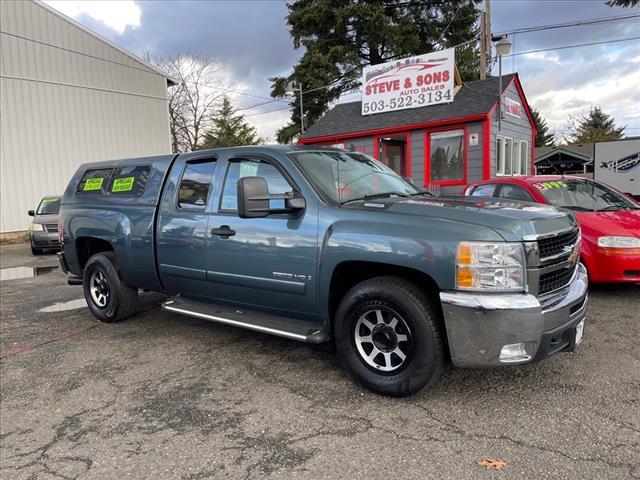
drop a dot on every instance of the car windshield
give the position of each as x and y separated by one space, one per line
49 206
348 176
583 195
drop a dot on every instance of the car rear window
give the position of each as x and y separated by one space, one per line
95 182
115 181
129 180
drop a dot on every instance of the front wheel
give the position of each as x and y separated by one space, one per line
108 297
389 336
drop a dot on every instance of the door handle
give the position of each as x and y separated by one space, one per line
223 231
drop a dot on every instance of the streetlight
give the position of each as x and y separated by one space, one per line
292 90
503 47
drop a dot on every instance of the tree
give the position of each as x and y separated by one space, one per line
342 36
229 130
622 3
193 101
543 137
597 126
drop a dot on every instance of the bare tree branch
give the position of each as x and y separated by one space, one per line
194 100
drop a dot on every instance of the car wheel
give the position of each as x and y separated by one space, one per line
35 251
389 336
108 297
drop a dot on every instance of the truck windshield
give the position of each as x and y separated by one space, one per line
348 176
583 195
49 206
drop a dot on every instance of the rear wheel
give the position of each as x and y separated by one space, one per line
389 337
108 297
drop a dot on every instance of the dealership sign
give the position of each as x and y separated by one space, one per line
511 107
408 83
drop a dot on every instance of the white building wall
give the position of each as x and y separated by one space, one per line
67 97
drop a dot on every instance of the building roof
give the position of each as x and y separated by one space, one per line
170 80
474 98
581 151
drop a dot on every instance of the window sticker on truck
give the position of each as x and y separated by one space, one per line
123 184
93 184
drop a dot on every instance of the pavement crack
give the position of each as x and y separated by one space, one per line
522 443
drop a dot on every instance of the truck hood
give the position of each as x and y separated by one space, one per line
46 218
514 221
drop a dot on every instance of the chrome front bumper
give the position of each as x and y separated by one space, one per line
479 325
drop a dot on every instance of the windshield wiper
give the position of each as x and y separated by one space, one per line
576 207
616 207
422 192
375 195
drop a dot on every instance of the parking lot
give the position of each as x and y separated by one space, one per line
166 396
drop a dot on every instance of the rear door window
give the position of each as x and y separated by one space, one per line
486 190
95 181
129 180
513 192
195 185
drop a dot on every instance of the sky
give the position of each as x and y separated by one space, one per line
250 42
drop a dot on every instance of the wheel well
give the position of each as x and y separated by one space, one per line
348 274
88 246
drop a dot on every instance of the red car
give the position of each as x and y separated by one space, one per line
609 220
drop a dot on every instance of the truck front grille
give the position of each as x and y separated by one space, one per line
552 246
51 227
556 279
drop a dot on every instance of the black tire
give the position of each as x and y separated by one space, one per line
35 251
120 300
424 351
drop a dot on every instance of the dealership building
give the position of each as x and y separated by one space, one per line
441 146
68 96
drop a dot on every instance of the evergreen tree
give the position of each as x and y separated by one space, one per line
341 36
622 3
543 137
229 130
597 126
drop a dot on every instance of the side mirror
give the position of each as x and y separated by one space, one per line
31 213
294 201
253 197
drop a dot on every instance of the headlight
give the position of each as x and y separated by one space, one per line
36 227
619 242
490 266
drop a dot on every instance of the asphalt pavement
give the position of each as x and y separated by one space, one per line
166 396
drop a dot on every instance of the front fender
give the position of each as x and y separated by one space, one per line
428 246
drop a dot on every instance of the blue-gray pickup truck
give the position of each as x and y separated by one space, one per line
318 244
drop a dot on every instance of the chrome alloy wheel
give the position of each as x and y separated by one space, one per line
383 339
99 287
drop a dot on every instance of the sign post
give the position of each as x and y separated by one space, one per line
408 83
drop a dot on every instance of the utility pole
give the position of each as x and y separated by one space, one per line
485 38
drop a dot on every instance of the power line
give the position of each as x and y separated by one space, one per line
268 111
571 24
94 57
573 46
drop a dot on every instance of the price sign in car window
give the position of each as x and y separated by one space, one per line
93 184
123 184
549 185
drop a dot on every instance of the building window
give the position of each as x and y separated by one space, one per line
512 156
446 157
